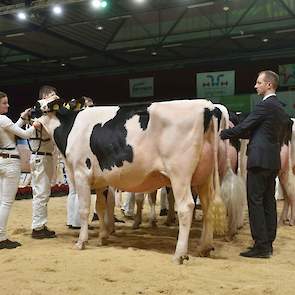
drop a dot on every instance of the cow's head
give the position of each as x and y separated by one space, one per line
75 104
51 104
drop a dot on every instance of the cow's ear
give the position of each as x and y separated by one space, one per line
56 107
66 105
80 103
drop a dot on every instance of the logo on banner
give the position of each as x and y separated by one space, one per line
216 84
142 87
287 75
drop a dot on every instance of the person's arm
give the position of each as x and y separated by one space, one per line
243 129
24 117
7 124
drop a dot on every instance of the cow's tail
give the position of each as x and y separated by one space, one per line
233 188
217 209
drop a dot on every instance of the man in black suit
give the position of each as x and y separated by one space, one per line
265 128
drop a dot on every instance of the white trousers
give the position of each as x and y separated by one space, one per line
163 199
129 204
9 180
41 170
73 216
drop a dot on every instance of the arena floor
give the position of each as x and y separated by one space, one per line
137 262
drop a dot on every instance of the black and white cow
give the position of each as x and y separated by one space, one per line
141 148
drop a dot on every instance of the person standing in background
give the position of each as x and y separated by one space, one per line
265 127
41 170
9 165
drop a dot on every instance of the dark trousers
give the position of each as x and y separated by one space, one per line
262 206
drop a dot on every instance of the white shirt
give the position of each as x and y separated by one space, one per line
43 145
267 96
8 131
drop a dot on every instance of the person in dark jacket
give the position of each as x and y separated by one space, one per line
265 127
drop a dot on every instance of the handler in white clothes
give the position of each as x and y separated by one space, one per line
9 165
41 170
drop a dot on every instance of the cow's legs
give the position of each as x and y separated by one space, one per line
139 198
205 193
101 210
84 196
185 206
171 218
152 201
109 216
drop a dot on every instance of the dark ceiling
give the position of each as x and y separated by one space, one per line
130 37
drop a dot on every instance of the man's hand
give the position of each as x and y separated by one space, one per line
37 125
25 114
223 134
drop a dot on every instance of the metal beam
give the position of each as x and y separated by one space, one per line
287 8
36 27
180 17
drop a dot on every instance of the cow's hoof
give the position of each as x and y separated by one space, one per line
170 222
136 225
153 223
102 242
206 252
179 260
79 245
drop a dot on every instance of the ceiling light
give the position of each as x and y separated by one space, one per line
48 61
154 53
104 4
96 4
78 57
284 31
57 10
135 49
265 40
1 43
21 15
139 1
201 5
99 4
14 35
62 64
99 28
242 36
172 45
225 8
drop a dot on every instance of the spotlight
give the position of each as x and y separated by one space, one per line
21 15
56 9
104 4
96 4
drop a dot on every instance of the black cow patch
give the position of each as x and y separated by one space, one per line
61 133
88 163
108 142
217 114
207 118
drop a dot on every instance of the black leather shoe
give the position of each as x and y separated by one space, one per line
164 212
43 233
256 253
95 217
79 227
252 247
7 244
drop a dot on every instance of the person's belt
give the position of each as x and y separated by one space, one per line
7 149
5 156
42 153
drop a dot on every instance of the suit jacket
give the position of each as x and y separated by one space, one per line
265 127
